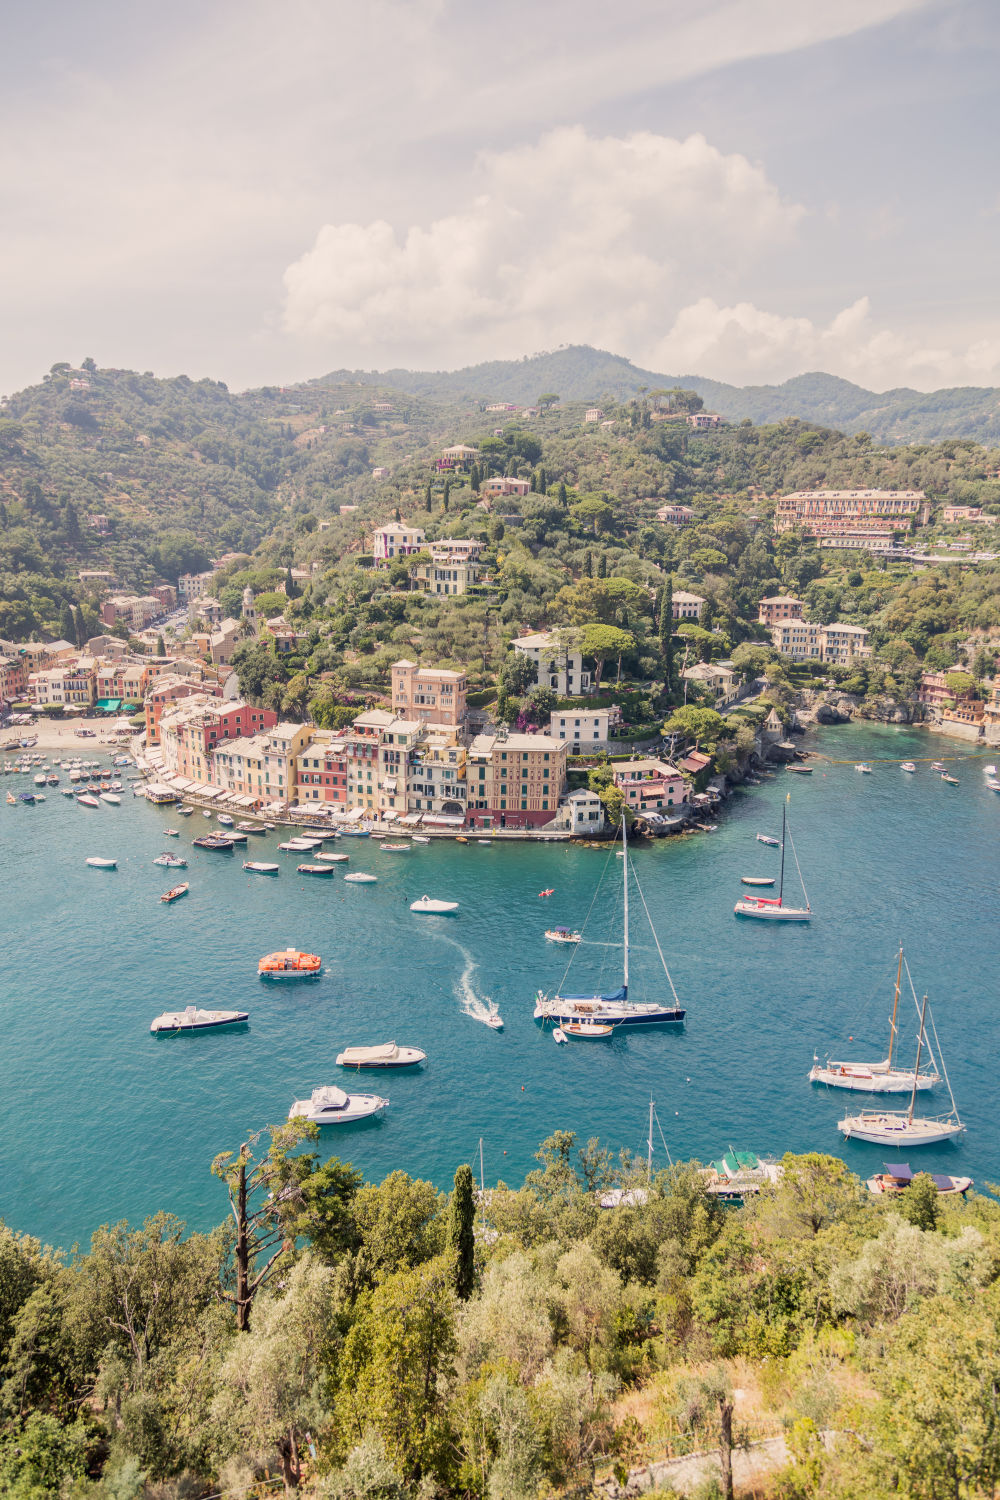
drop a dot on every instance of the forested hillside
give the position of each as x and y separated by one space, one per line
580 373
387 1341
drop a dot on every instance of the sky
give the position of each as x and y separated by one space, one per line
740 189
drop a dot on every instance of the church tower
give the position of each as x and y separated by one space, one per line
249 611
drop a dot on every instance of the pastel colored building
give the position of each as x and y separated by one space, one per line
582 729
806 641
779 607
70 686
558 665
395 540
675 515
321 770
431 695
720 678
514 780
165 690
504 484
446 573
687 606
650 785
822 512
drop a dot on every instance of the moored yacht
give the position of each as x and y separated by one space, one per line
191 1018
429 906
384 1055
329 1105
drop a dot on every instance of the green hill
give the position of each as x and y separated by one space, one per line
579 373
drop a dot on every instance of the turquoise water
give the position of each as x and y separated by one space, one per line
100 1121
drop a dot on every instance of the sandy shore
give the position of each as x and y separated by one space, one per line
59 734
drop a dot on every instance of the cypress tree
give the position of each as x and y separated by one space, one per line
461 1239
161 649
562 492
427 499
475 479
533 482
588 564
602 566
447 492
67 623
543 481
667 632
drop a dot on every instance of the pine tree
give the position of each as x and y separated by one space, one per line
461 1238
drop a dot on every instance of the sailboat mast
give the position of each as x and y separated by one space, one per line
625 879
649 1143
916 1066
895 1006
781 881
482 1181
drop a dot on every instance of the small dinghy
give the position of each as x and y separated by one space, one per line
249 828
765 838
588 1031
360 878
314 869
559 1035
191 1018
428 905
171 833
86 800
951 780
332 859
256 867
102 864
756 879
395 848
111 797
420 838
385 1055
175 893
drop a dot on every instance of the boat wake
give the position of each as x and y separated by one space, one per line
478 1007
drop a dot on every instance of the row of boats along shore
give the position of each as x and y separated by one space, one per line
586 1015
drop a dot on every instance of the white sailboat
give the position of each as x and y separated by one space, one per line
878 1077
773 908
903 1127
614 1009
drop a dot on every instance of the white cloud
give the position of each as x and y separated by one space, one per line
572 239
746 345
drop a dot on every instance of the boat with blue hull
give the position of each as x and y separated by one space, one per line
614 1008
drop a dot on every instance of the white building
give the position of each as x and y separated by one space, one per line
559 666
582 729
687 606
395 540
803 641
582 812
719 677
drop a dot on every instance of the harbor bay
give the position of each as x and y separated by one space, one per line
102 1121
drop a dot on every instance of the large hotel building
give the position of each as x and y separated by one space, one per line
840 512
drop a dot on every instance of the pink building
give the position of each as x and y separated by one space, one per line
503 484
431 695
675 515
650 785
779 607
321 770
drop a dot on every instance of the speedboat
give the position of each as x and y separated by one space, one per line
898 1176
40 780
989 770
257 868
191 1018
214 841
359 878
249 828
907 765
385 1055
395 848
111 797
420 838
562 935
175 892
938 765
765 838
172 861
429 906
184 812
225 820
171 833
331 1106
864 768
993 784
314 869
332 859
101 864
289 964
68 791
205 813
31 797
951 780
494 1020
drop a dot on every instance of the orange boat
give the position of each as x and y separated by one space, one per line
289 964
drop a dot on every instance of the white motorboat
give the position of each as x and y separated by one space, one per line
300 846
562 935
331 859
993 784
903 1127
385 1055
989 770
257 867
249 828
898 1176
329 1105
205 813
225 820
360 878
493 1019
765 838
191 1018
86 800
864 768
171 833
101 864
184 812
420 838
430 907
773 908
878 1077
614 1008
40 780
172 861
907 765
314 870
395 848
67 791
938 765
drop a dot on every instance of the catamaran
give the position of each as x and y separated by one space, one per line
772 908
902 1127
615 1008
878 1077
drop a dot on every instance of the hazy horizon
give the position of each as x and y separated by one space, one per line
752 192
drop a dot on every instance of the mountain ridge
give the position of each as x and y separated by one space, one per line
581 373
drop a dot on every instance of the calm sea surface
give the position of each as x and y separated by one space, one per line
99 1121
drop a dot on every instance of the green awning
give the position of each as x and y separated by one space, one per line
108 704
133 706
